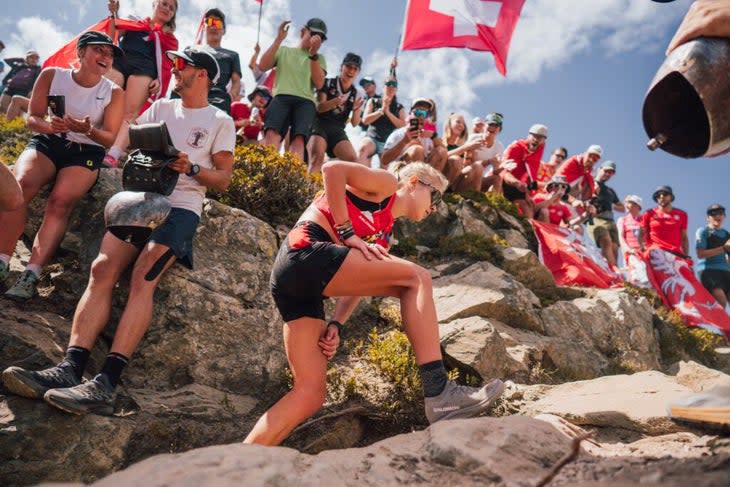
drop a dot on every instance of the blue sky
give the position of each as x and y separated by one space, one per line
581 67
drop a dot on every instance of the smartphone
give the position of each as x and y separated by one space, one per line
57 104
413 124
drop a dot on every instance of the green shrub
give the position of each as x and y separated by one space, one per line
393 357
14 136
269 186
470 245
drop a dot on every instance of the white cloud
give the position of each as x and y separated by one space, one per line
27 37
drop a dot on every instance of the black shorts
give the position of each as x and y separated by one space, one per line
137 65
177 232
512 193
64 153
16 91
715 279
305 264
286 111
332 132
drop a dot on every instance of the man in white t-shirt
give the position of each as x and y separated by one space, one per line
412 142
205 137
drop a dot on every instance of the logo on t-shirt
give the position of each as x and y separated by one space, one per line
197 137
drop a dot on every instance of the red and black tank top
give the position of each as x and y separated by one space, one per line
372 222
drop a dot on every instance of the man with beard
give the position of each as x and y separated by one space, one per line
526 154
205 137
335 101
664 227
602 228
712 245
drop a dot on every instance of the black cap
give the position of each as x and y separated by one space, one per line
714 208
215 12
317 26
199 57
662 189
367 80
95 38
352 59
260 90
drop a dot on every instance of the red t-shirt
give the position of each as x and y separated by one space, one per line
240 110
664 230
527 163
557 213
576 174
546 172
629 228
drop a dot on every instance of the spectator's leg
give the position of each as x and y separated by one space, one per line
272 138
367 149
72 183
437 158
135 96
4 102
414 153
344 151
33 171
18 106
316 146
720 296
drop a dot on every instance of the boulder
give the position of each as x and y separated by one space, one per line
485 290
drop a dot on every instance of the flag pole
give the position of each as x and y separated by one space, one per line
258 31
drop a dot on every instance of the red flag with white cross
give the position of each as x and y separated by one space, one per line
479 25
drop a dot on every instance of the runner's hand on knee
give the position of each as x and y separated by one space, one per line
329 341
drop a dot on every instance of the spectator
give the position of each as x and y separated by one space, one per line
228 61
250 119
411 143
325 255
454 139
61 386
67 149
547 169
143 71
20 79
299 71
550 204
336 100
11 196
577 171
482 159
367 83
664 227
712 245
382 115
602 227
477 125
519 181
253 64
629 228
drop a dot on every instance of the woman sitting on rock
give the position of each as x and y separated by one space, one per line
327 254
67 148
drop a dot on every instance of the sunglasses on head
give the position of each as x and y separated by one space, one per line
421 112
214 22
436 195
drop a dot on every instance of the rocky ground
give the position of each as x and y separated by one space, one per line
580 361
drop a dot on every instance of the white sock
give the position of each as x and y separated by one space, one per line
115 152
5 258
35 269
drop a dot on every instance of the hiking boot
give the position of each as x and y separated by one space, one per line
457 401
24 288
34 385
93 396
4 271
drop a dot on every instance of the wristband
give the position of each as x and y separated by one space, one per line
344 230
314 57
337 325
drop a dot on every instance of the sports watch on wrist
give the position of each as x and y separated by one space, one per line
194 170
314 57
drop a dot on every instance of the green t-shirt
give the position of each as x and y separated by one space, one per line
293 74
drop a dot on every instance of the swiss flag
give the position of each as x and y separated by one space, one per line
572 261
480 25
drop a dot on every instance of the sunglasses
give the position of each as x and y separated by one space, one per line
609 171
659 194
214 22
421 112
180 64
436 195
560 156
391 83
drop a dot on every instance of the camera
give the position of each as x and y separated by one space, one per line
531 185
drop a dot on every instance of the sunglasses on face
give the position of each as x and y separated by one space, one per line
421 112
662 193
560 156
180 64
391 83
609 171
214 22
436 195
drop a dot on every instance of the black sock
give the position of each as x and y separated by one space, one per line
433 377
77 357
113 367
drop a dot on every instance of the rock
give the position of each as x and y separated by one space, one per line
699 378
485 290
470 221
525 266
514 238
634 403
